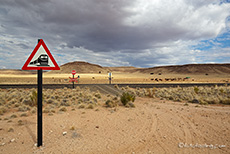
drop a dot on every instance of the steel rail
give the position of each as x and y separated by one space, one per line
163 85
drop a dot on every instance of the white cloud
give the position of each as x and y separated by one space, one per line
131 32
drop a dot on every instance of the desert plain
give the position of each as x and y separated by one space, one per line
83 120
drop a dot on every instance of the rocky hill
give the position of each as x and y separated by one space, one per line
80 67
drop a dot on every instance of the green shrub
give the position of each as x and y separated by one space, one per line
33 98
127 97
196 90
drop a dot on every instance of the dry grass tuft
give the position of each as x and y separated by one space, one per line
13 116
110 103
11 130
63 109
3 110
24 115
72 128
198 95
20 122
90 106
23 108
81 106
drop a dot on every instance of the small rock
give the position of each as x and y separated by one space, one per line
64 133
12 140
97 126
2 144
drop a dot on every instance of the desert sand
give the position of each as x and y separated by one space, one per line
153 126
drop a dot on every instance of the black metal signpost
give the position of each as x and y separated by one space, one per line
39 104
39 114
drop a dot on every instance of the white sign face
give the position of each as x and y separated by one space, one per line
41 58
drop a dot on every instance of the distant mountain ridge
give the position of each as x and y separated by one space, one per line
85 67
190 69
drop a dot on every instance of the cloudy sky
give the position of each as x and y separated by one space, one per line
141 33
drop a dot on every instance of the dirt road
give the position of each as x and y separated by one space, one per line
154 126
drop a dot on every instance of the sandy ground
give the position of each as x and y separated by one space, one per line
154 126
116 78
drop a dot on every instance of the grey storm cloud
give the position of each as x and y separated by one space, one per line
115 26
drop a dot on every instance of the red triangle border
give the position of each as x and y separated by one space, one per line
41 42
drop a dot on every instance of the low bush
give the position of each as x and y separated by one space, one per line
110 103
127 97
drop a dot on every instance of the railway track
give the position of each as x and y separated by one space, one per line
165 85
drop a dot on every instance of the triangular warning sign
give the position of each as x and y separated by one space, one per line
41 58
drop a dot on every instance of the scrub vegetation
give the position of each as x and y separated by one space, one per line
62 100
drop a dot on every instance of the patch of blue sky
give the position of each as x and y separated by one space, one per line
221 41
224 1
60 55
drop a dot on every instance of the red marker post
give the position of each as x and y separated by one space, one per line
73 79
